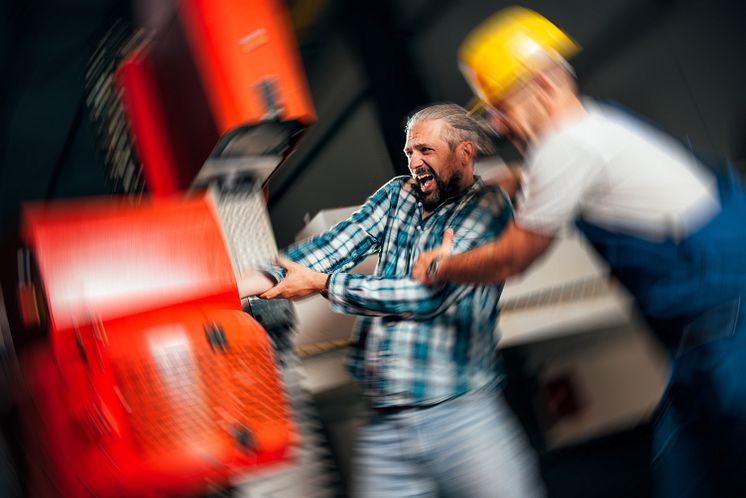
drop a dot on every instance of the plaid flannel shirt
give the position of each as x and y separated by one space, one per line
414 344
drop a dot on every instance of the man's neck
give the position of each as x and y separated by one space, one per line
466 182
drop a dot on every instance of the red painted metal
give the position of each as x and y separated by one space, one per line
217 68
153 382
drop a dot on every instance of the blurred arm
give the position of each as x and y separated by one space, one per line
508 255
492 262
253 282
509 180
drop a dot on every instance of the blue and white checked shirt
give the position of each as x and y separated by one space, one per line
414 344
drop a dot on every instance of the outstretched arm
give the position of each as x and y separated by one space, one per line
299 282
253 282
370 295
341 247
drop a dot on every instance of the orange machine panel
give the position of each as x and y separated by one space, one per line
216 71
151 382
114 258
168 403
243 50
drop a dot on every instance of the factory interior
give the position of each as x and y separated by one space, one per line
582 372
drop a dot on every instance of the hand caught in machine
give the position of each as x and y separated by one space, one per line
299 282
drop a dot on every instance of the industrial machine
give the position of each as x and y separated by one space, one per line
146 376
151 378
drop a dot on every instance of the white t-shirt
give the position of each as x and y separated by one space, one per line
617 173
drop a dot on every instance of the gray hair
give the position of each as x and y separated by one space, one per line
462 126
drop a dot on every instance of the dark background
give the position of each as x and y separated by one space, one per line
681 63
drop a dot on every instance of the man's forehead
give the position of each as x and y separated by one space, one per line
425 132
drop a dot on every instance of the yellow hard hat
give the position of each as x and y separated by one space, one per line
504 49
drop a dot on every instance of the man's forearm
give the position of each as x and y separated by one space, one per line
489 263
495 261
252 283
394 297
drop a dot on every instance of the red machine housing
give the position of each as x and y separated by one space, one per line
152 381
215 71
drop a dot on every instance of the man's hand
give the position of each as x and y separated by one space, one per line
298 282
425 259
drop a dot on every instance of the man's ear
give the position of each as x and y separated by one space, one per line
467 152
546 88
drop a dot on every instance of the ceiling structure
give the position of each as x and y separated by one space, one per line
679 62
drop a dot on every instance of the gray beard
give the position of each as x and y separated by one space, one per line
443 191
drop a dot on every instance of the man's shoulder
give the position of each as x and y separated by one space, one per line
402 182
398 185
492 198
487 190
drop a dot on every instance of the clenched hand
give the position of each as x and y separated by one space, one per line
298 282
421 266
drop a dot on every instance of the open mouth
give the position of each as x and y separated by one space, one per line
426 182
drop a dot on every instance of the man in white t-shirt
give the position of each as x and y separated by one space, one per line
672 230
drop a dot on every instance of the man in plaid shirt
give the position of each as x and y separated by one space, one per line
426 355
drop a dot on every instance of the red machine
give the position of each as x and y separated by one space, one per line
152 382
210 83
